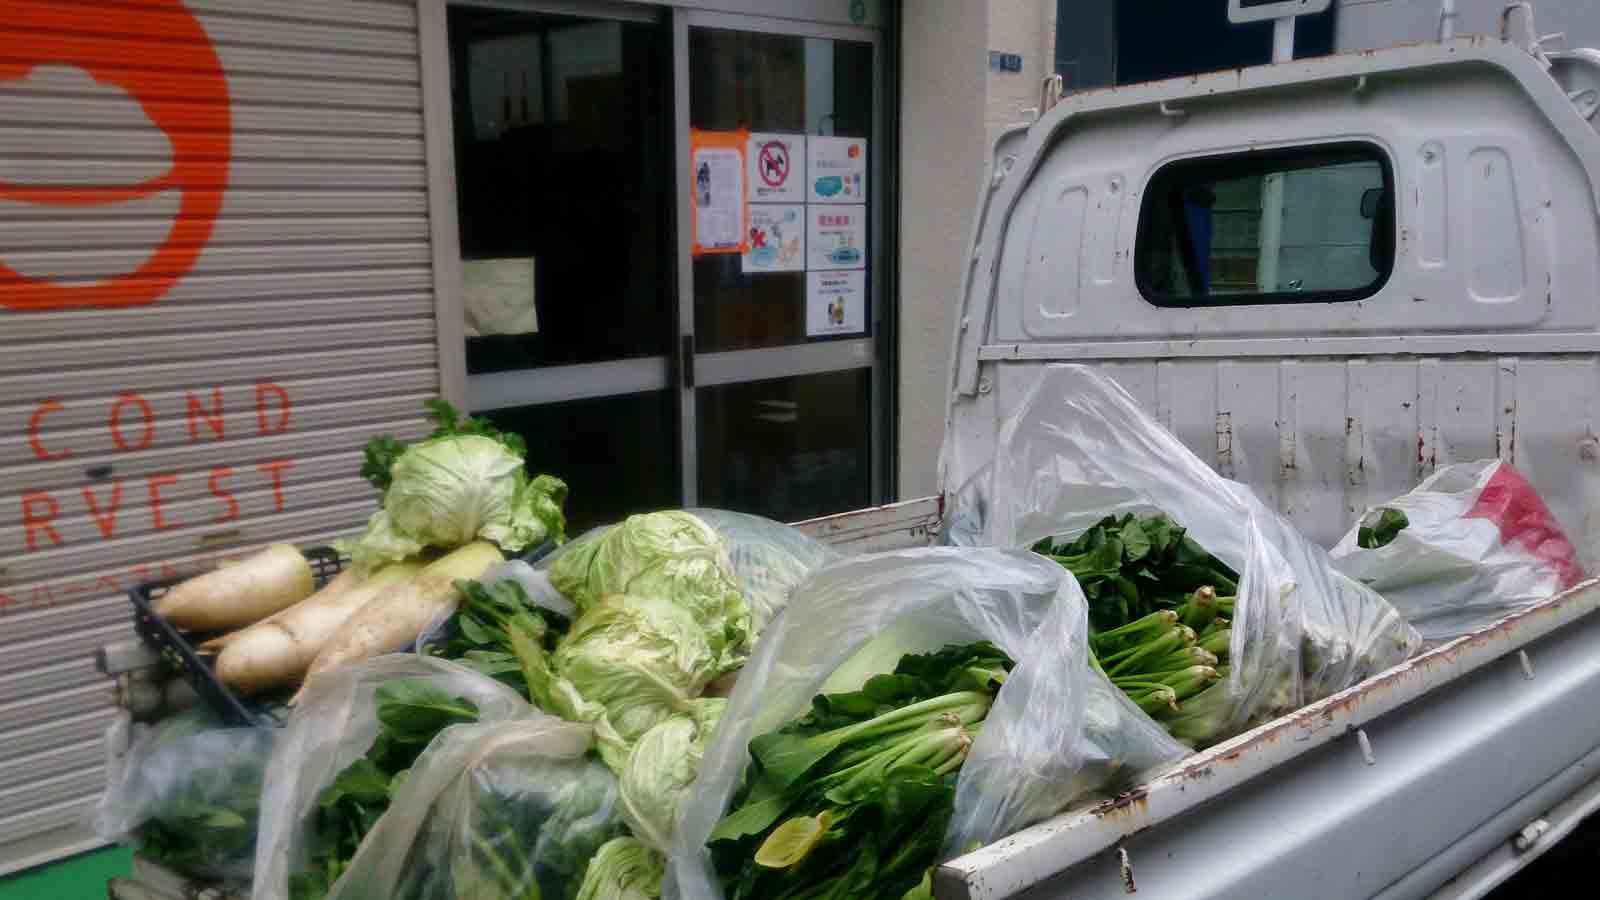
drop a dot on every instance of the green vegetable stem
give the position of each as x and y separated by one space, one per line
1160 614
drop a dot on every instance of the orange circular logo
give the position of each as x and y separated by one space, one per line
158 53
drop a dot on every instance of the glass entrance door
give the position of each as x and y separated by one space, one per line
657 340
779 373
563 132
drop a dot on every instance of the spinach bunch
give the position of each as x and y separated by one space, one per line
480 633
852 799
200 833
532 827
1132 566
410 714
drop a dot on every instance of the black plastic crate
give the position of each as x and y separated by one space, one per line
177 647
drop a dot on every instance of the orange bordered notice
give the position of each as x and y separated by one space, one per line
721 215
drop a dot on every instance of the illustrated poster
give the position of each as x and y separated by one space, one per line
836 303
836 170
777 238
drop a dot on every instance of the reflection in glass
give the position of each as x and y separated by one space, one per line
618 454
788 448
562 129
1279 226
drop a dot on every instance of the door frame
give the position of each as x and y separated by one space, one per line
839 355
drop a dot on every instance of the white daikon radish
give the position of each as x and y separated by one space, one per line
277 651
241 593
344 582
397 616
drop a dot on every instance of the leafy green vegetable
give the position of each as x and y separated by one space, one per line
1131 566
1380 527
199 833
624 869
378 458
466 481
528 830
670 555
628 664
382 451
662 766
411 713
1159 609
852 799
448 492
479 634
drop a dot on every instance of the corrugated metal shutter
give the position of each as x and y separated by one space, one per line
231 410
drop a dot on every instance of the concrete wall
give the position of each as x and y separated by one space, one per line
1028 28
1366 24
944 58
952 105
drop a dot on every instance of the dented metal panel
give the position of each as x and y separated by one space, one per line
1346 797
216 285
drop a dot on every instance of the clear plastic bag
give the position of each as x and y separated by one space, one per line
1078 448
334 725
511 809
1057 729
187 796
770 558
1478 544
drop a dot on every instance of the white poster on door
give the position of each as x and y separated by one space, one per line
777 168
777 239
719 200
836 169
836 303
836 237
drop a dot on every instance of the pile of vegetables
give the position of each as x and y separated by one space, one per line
853 798
654 616
657 617
1160 614
452 506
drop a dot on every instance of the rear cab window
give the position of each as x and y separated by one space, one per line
1296 225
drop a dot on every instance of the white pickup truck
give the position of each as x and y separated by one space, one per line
1330 277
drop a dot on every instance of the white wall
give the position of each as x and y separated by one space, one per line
1367 24
1026 27
944 86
